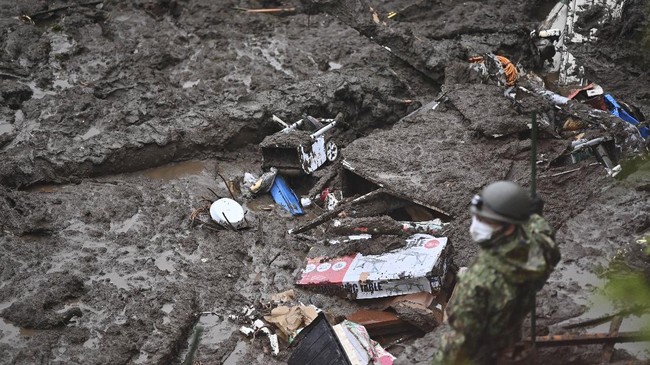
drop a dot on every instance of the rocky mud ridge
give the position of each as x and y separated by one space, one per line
117 120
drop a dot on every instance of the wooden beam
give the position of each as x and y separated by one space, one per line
331 214
590 339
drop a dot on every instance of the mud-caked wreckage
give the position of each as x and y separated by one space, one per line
322 216
371 199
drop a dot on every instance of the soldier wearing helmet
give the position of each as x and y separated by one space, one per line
497 292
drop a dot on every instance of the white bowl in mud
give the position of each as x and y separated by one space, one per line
227 212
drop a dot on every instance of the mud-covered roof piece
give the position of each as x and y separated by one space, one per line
488 111
291 139
428 159
462 29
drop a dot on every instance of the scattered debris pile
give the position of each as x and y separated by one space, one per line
383 236
372 241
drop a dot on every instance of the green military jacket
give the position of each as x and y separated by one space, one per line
496 293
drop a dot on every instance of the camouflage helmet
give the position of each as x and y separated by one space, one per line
503 201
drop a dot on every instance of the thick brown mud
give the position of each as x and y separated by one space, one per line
117 120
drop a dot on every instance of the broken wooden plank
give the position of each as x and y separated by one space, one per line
604 319
590 339
452 296
330 174
380 323
331 214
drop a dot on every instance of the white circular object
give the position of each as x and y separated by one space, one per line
323 267
227 210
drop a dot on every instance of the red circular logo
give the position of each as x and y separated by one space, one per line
432 244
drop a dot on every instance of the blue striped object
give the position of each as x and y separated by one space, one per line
283 195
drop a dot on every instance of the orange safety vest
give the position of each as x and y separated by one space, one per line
508 68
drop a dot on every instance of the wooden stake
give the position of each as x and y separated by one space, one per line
608 348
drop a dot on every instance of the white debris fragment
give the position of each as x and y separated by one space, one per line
273 339
247 331
258 324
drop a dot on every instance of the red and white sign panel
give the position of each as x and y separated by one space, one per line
402 271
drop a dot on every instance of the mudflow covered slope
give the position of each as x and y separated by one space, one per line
104 268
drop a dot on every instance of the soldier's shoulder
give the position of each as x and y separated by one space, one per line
484 270
538 225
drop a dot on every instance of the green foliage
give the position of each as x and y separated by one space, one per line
628 288
636 168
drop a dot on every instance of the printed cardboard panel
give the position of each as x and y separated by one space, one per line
398 272
333 271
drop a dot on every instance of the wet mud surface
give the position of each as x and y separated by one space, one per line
116 120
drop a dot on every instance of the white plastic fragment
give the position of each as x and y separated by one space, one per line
358 237
247 311
275 348
331 202
258 324
280 121
614 171
249 179
246 330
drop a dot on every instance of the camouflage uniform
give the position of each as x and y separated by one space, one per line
496 293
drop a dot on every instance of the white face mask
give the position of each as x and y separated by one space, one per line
480 231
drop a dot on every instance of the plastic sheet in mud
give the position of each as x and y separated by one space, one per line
420 266
284 196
